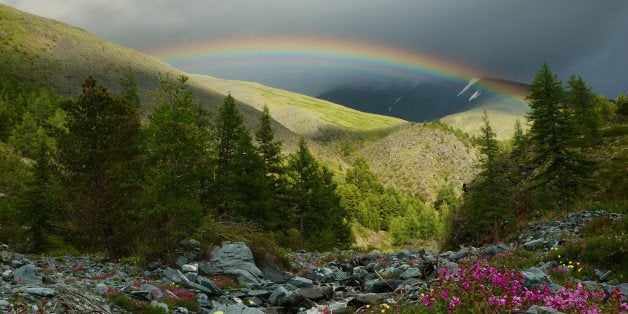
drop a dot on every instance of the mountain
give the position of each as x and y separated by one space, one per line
44 52
456 101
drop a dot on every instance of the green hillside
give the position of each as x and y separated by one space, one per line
43 52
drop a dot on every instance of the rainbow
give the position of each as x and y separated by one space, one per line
314 52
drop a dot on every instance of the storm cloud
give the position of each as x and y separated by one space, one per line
507 39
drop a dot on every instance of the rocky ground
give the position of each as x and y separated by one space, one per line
339 282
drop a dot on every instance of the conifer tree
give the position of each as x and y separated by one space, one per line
585 116
275 196
489 149
239 176
562 170
317 211
94 155
518 137
178 159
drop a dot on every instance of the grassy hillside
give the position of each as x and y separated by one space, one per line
502 117
44 52
419 158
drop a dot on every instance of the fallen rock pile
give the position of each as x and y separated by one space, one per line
231 282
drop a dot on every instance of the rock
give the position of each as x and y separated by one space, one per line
181 310
624 289
181 260
27 275
602 275
42 292
285 296
534 244
235 259
237 308
412 272
101 287
381 286
301 282
274 274
214 290
317 293
496 249
189 268
535 309
534 277
462 253
7 274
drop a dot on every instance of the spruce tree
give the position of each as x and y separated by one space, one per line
275 195
562 169
94 155
240 182
585 116
320 219
178 161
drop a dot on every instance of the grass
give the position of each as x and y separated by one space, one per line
503 123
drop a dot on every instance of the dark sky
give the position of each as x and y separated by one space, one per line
507 39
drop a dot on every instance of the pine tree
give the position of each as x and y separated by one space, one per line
519 137
275 195
585 116
489 149
178 158
94 155
240 182
562 169
317 211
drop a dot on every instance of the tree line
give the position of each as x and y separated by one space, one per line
551 167
86 173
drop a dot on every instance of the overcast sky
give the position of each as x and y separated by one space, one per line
506 38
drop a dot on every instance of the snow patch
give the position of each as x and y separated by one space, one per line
472 81
475 95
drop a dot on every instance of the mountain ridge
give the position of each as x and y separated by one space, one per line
43 52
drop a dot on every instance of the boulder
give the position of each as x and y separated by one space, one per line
285 296
235 259
534 278
535 309
27 275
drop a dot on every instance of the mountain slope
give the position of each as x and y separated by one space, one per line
43 52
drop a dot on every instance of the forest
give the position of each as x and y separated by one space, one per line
94 173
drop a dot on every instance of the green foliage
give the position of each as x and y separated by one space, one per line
622 105
317 212
562 168
95 156
177 165
241 188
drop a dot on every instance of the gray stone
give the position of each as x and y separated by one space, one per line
301 282
496 249
181 310
274 274
235 259
462 253
624 289
284 297
381 286
534 244
412 272
181 260
189 268
214 290
42 292
4 304
101 287
7 274
27 275
316 293
237 308
534 277
602 275
535 309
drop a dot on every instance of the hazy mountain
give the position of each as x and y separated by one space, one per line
435 99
